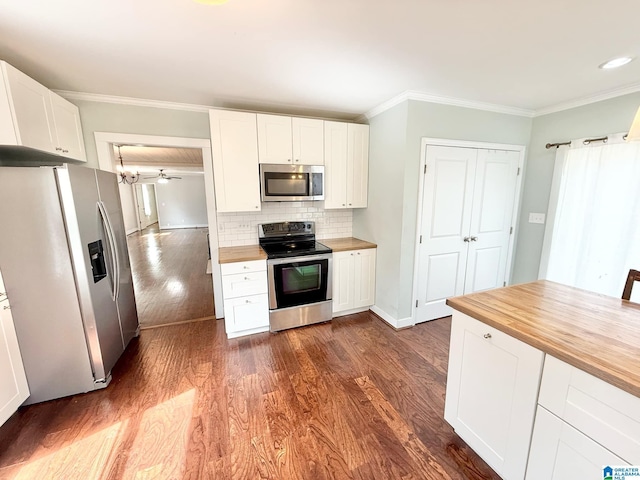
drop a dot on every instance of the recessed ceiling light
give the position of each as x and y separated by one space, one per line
615 63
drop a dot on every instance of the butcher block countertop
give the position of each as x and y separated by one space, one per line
593 332
346 243
245 253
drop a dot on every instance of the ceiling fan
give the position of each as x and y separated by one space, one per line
163 177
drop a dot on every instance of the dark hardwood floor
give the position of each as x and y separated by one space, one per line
349 399
169 275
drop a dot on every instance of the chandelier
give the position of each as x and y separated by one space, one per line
127 179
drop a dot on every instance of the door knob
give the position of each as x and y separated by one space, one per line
466 239
474 239
487 335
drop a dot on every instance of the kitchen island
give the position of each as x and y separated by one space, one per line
544 380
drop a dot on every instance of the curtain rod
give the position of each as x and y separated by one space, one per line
587 141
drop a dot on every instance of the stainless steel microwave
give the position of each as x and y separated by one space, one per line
291 183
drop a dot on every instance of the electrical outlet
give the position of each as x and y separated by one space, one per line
536 218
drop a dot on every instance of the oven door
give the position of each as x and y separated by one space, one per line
299 281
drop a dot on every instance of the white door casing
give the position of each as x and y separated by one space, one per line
466 221
106 161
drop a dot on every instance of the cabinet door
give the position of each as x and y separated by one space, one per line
308 141
245 315
357 165
32 111
66 118
343 281
335 165
235 161
13 382
275 144
492 390
446 217
560 452
365 277
492 212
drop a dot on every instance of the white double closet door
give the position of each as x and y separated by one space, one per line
468 201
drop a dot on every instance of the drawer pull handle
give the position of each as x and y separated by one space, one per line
245 267
6 307
247 278
487 335
247 301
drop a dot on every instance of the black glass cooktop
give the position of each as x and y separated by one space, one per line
292 248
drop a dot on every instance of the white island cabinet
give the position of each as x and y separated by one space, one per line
33 116
13 382
587 405
492 387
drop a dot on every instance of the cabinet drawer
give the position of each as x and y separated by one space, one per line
246 314
599 410
560 452
243 284
243 267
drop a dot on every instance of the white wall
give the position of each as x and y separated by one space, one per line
182 203
128 203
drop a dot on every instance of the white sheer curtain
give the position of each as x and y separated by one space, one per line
595 232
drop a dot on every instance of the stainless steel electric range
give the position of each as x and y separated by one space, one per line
299 274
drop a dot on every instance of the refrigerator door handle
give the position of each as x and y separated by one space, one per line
112 247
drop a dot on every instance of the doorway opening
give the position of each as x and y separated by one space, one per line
170 218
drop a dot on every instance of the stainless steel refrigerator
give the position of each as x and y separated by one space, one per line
64 259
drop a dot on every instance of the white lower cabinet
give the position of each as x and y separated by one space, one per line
560 452
14 389
492 391
354 280
246 302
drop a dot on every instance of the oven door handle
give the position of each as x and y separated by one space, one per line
308 258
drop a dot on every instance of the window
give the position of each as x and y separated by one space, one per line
593 231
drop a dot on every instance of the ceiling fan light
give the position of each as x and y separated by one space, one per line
634 131
163 180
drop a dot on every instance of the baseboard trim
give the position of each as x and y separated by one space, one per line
132 230
176 227
350 312
392 321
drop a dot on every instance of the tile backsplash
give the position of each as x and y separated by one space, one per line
241 228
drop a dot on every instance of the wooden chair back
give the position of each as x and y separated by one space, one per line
634 276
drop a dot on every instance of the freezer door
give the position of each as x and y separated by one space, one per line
125 300
86 225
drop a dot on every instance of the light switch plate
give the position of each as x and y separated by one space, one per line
536 218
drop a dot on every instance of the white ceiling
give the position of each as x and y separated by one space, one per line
149 160
334 57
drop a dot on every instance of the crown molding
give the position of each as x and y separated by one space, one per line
457 102
138 102
581 102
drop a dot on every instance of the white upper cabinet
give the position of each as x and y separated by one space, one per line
235 161
308 141
290 140
66 118
346 165
357 165
38 118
